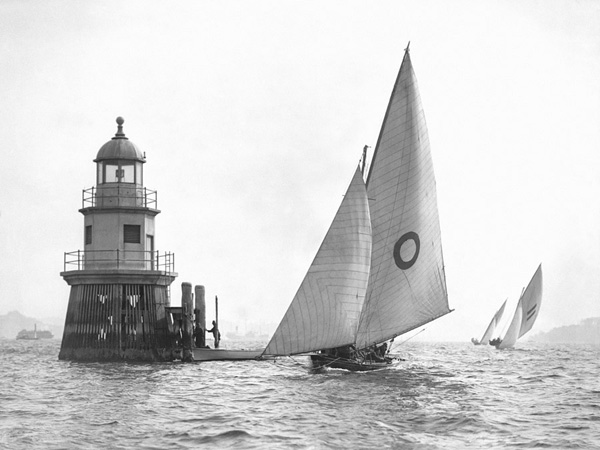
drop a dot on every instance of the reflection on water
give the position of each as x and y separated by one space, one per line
443 396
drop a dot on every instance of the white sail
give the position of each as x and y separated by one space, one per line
325 311
531 301
407 283
526 312
512 333
487 335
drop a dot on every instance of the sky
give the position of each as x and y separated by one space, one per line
253 116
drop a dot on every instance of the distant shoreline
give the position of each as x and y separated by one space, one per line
585 332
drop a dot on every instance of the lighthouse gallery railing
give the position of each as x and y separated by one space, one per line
119 259
118 195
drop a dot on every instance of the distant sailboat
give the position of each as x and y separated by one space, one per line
380 271
491 329
525 314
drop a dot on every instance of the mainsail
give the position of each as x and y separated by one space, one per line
325 311
489 331
526 312
407 283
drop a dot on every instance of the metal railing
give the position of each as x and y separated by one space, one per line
119 259
119 196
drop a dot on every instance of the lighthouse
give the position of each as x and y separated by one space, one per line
120 284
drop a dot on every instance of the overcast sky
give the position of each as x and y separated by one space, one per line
253 115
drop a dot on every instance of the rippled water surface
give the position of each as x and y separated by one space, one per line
451 395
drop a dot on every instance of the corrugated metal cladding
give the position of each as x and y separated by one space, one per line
112 317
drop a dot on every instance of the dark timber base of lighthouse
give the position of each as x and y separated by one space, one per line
118 317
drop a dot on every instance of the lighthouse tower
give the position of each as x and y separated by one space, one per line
120 285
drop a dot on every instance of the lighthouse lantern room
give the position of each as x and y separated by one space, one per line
120 285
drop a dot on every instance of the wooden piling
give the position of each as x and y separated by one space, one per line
200 317
187 312
217 333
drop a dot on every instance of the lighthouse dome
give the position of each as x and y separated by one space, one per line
120 147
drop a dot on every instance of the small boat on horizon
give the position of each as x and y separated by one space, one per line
34 334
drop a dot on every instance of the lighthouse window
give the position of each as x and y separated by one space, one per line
100 174
88 234
111 172
127 173
138 173
119 172
131 234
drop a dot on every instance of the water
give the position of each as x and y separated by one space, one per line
445 396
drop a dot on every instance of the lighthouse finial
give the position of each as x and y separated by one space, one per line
120 122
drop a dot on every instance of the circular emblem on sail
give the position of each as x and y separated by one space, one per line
401 263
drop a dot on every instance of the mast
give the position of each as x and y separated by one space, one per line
364 160
217 312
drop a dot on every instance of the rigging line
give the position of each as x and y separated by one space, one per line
328 364
296 362
406 340
390 347
441 282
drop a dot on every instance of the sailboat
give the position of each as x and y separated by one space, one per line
491 328
526 312
380 271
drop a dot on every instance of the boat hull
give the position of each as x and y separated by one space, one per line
325 361
218 354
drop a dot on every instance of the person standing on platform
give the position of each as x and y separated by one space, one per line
215 331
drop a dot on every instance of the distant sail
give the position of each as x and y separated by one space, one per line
526 312
487 335
531 301
326 308
512 333
407 283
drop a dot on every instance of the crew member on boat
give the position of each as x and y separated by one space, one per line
376 353
346 352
